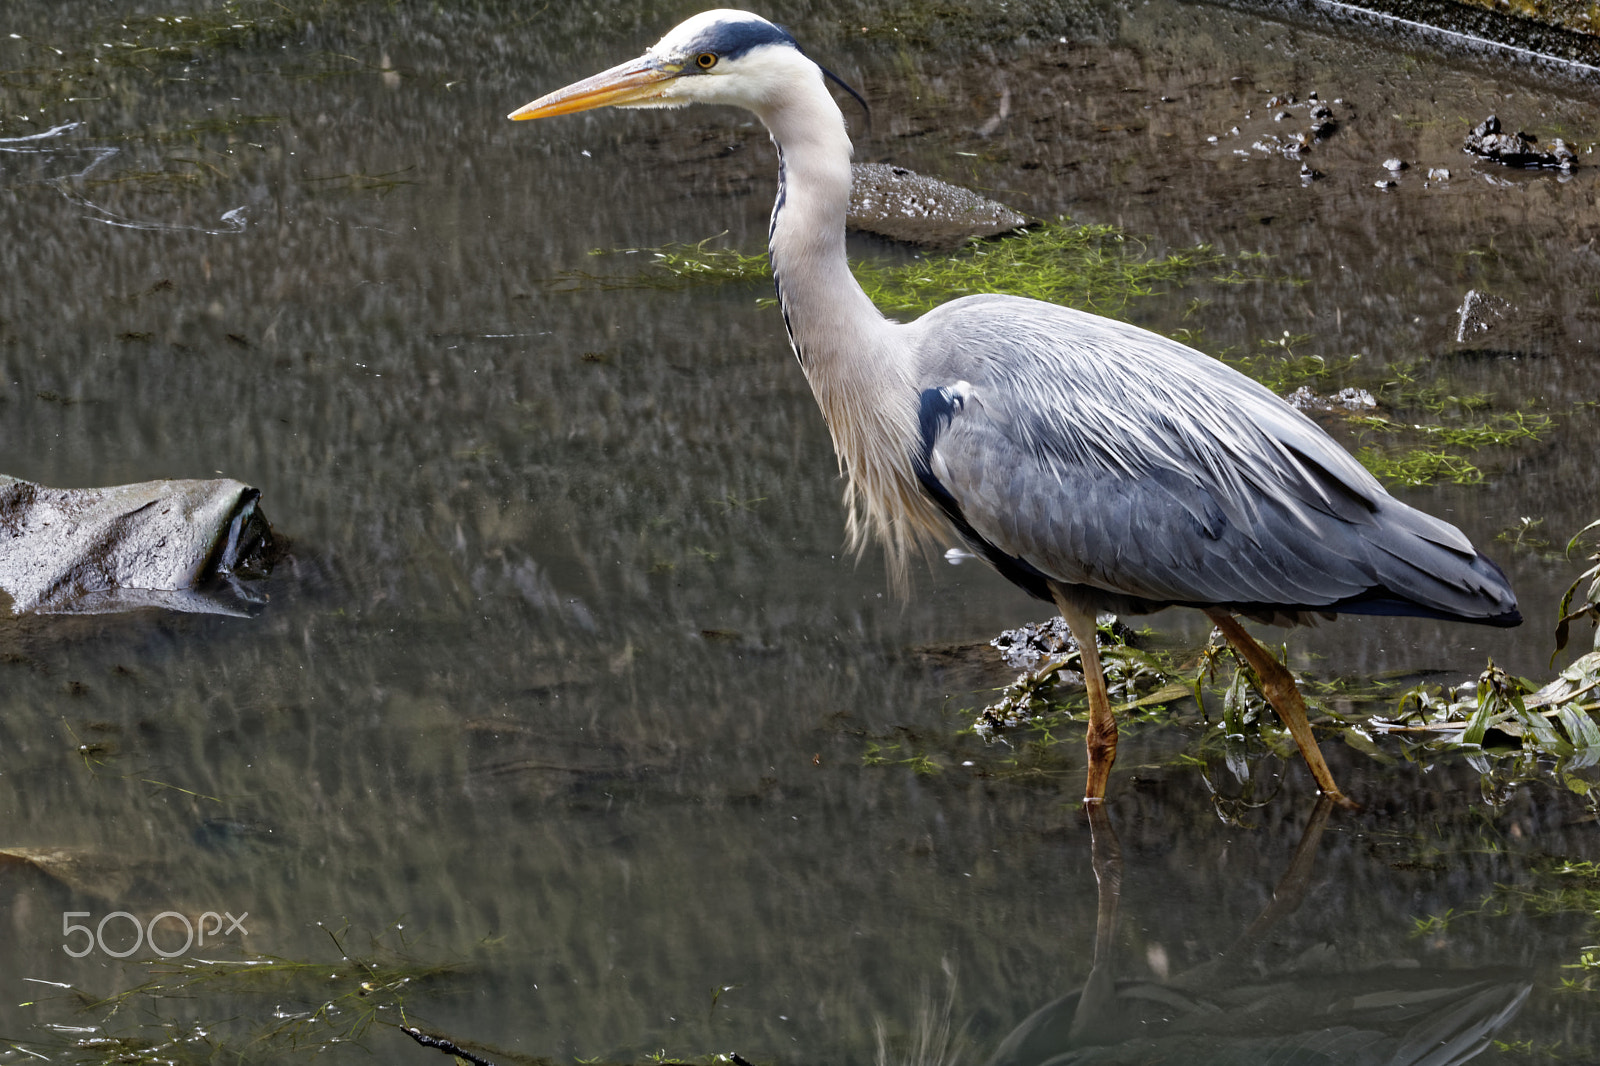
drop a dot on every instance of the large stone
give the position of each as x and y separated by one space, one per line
906 206
179 545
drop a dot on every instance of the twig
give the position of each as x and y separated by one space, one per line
449 1047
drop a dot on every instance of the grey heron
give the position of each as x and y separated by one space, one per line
1099 466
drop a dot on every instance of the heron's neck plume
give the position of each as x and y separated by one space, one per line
857 362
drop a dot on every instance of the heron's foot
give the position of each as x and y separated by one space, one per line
1278 686
1102 750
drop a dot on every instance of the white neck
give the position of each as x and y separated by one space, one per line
824 307
860 364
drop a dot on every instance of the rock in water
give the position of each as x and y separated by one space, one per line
180 545
906 206
1517 149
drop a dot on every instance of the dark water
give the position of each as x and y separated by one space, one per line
566 680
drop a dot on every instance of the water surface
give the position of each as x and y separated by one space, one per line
566 679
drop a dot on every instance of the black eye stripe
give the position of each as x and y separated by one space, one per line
731 40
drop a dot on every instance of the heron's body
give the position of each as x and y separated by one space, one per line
1097 465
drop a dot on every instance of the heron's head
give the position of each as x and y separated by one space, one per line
716 57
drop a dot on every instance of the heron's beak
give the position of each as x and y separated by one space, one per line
637 81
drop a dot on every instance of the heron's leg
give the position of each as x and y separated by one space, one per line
1277 684
1102 742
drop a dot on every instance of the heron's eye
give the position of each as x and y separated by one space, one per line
705 60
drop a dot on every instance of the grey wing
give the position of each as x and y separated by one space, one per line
1097 455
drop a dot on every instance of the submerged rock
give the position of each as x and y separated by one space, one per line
906 206
1028 646
180 545
1517 149
1480 312
1490 326
1347 399
1290 144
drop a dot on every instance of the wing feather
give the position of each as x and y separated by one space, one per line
1115 460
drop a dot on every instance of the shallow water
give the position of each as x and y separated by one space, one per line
566 679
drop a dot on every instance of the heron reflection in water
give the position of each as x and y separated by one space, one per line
1097 465
1254 1004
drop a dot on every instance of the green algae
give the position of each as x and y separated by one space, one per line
47 82
1417 467
1432 434
1439 451
1093 267
269 1006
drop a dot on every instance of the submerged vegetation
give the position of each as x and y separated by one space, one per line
309 1006
1094 267
1559 888
1439 454
1428 434
1507 728
1510 729
47 82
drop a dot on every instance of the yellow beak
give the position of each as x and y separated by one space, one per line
633 82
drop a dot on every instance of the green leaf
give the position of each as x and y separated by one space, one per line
1478 723
1585 736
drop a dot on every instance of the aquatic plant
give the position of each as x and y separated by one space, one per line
1513 729
59 81
1100 268
1559 887
1093 267
1506 711
1445 440
1419 466
1281 369
308 1005
1510 729
1439 457
1590 607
